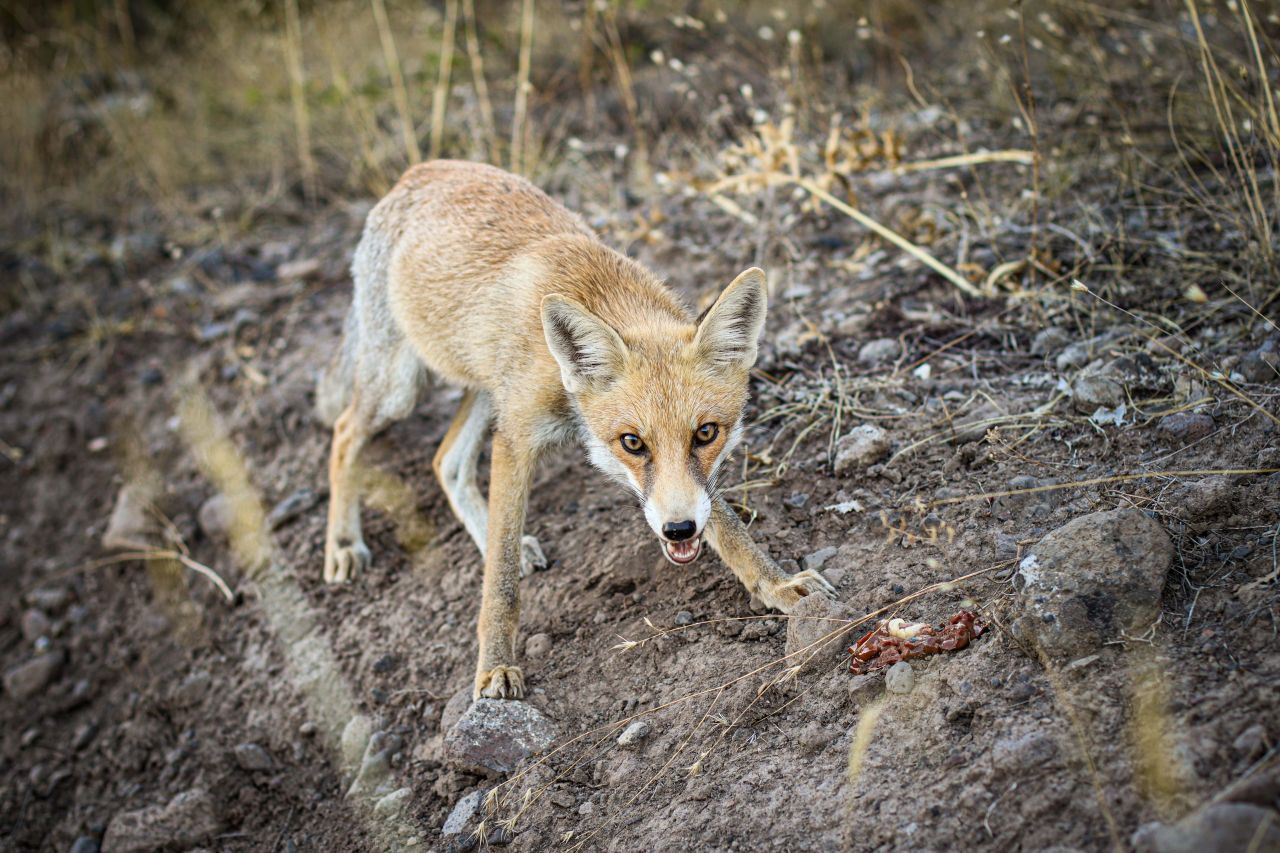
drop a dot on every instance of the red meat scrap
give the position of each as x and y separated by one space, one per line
893 640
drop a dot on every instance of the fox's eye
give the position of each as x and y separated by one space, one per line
632 443
706 434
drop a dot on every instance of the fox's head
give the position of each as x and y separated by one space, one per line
661 400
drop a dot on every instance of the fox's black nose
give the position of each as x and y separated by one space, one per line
678 531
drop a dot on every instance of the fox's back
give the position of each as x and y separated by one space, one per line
465 253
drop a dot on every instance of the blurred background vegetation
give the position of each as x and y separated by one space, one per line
1157 110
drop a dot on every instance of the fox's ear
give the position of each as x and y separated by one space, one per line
728 331
588 350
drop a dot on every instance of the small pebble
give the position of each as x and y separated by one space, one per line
900 678
634 733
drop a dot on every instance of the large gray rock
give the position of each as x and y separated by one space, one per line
1092 578
1222 826
185 821
495 735
818 630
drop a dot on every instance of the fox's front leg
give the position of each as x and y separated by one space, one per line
511 470
759 574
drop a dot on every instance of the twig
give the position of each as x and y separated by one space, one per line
440 100
892 236
400 93
522 88
298 94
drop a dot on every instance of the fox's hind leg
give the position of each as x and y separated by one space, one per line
455 465
385 390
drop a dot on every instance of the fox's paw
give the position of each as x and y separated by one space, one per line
786 593
531 557
344 559
501 682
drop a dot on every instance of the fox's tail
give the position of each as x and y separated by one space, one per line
336 380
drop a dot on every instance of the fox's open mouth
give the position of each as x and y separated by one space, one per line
684 552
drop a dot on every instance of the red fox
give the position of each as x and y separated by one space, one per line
476 275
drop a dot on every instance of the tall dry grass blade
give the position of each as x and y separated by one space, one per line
476 60
892 236
626 89
862 738
298 95
440 99
399 91
1012 155
519 116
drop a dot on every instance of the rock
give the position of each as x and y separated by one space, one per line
1185 427
216 517
1093 389
1050 341
84 844
393 804
133 526
813 738
587 809
973 424
1251 742
537 646
50 599
495 735
192 690
251 756
1006 546
1263 364
299 270
291 507
1082 352
84 735
188 819
1201 499
863 445
29 678
1013 755
1092 578
683 618
812 619
900 678
374 778
454 709
35 625
796 500
834 575
634 733
355 739
462 812
879 351
1221 826
818 559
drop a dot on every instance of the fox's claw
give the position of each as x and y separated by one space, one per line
531 557
501 682
343 562
784 595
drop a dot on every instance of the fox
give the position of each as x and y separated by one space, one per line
473 276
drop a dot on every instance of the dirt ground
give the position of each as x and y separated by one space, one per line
135 358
